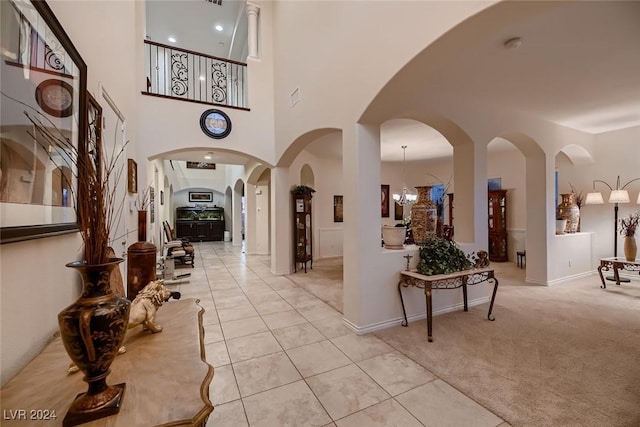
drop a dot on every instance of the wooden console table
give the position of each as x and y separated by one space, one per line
166 375
617 264
446 281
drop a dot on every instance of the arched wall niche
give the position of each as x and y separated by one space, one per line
306 176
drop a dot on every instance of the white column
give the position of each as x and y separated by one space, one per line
281 253
250 234
236 201
252 14
362 221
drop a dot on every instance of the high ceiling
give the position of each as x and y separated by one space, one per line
577 65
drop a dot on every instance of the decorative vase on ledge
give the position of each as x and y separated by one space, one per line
568 209
424 216
630 248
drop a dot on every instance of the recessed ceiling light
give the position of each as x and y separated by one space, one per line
208 156
172 39
513 43
219 27
203 78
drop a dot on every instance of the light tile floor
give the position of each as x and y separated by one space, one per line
282 357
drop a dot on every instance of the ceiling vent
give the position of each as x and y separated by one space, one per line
218 2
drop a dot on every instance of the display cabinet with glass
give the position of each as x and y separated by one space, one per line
497 203
200 223
302 231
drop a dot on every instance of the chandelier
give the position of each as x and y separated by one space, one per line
406 197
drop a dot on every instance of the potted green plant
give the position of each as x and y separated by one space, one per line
442 256
302 190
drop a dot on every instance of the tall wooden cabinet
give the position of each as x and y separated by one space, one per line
497 202
302 231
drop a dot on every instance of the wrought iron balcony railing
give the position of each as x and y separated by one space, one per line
191 76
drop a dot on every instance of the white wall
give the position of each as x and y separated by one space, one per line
32 297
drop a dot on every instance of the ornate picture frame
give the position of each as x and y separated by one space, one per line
338 215
39 196
215 123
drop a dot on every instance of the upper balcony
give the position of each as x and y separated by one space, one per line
183 74
196 51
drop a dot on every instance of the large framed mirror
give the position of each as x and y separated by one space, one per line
42 123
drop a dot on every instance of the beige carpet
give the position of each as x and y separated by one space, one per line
324 280
567 355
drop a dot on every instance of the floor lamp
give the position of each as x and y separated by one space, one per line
618 195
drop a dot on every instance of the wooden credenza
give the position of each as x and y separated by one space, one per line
166 374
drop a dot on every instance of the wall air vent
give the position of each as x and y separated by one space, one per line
218 2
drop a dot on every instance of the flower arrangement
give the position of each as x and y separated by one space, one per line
629 224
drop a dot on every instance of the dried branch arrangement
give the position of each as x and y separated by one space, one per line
629 224
96 173
143 200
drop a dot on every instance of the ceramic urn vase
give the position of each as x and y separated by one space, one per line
424 216
569 210
630 248
92 330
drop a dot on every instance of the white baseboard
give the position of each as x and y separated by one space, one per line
572 277
373 327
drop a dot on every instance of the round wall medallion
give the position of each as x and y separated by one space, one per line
215 124
55 97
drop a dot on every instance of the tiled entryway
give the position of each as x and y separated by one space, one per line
282 357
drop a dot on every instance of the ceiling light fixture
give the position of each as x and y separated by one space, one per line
208 156
219 27
513 43
406 197
172 39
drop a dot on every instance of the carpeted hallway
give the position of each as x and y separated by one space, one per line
567 355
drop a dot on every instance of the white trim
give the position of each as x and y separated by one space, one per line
374 327
568 278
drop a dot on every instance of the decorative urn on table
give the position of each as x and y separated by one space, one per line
93 327
424 216
628 228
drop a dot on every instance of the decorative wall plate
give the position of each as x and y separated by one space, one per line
215 124
55 97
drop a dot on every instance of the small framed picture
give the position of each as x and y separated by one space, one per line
398 214
200 196
337 209
384 200
132 176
